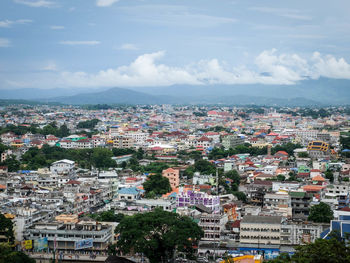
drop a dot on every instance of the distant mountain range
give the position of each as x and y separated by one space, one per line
319 92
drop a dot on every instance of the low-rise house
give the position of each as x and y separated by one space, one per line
62 166
129 194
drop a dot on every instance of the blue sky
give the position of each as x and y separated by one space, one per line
136 43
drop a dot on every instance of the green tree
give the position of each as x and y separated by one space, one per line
240 196
234 175
204 167
49 129
90 124
139 154
122 151
157 184
123 164
12 164
6 227
101 158
158 235
281 177
322 250
107 216
3 148
303 155
7 255
321 213
329 175
189 172
63 131
156 167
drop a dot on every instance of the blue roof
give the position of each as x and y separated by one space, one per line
174 194
129 191
345 151
325 233
24 171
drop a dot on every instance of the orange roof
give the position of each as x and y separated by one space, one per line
318 178
312 188
2 186
176 190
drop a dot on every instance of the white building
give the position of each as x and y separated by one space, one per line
62 166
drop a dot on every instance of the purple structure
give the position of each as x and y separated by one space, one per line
190 198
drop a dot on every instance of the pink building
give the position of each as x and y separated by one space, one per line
173 176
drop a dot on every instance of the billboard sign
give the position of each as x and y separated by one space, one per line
41 243
27 244
85 243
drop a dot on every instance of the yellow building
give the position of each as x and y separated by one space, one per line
318 146
318 149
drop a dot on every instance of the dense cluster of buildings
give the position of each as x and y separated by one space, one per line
50 204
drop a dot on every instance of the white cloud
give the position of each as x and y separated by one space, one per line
269 67
78 43
9 23
57 27
129 46
4 42
330 67
142 72
6 23
36 3
284 68
50 66
104 3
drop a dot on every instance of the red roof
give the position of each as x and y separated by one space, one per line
157 148
281 153
236 224
204 139
211 133
73 182
131 179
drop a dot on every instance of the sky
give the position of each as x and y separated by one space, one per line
139 43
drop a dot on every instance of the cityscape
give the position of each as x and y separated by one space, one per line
174 131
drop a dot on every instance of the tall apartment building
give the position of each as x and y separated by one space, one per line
212 225
231 141
123 142
300 202
174 177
